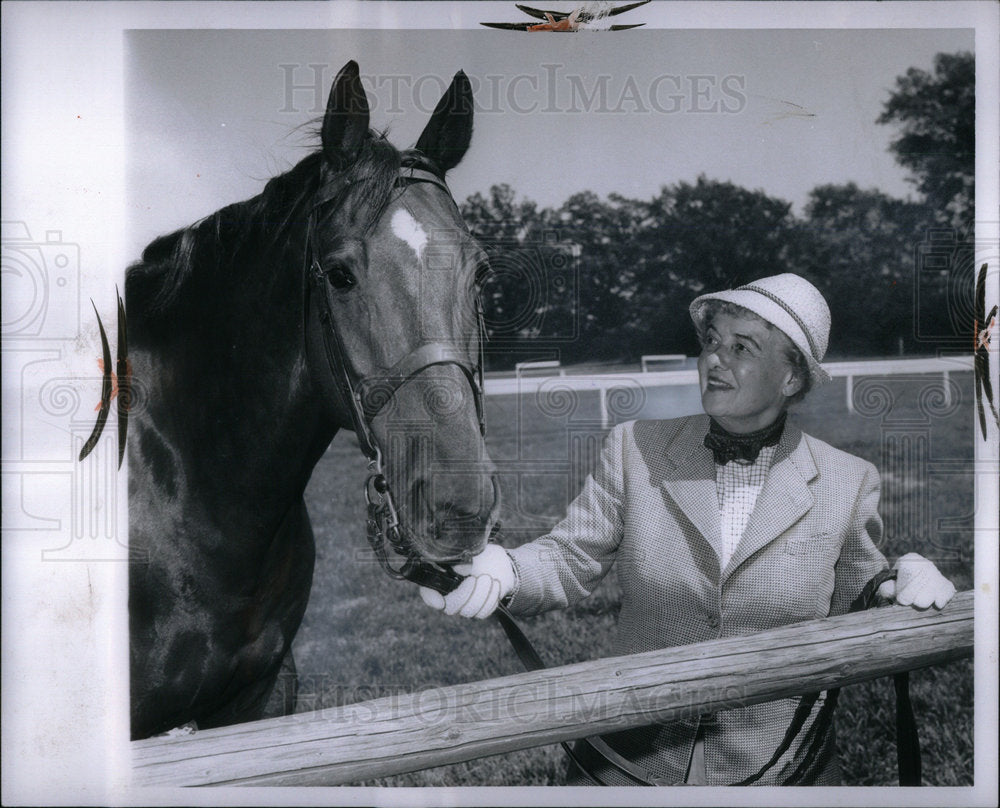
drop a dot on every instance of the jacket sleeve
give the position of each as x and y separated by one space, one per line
860 559
565 565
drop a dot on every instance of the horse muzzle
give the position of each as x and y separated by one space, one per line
454 522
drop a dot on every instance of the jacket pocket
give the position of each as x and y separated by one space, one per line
818 543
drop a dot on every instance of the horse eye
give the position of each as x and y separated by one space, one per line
340 277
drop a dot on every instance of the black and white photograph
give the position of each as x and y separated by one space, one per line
417 403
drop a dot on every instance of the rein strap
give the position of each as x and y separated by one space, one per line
907 747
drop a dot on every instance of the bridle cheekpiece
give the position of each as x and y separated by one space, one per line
365 396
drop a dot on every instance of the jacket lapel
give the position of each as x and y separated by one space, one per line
690 481
783 500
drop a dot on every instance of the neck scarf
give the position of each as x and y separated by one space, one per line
728 446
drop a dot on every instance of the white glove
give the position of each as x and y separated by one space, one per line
490 578
918 583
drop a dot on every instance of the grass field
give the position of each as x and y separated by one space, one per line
365 635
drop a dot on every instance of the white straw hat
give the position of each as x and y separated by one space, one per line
790 303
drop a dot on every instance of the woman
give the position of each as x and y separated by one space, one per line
722 525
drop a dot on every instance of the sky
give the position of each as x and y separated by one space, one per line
210 115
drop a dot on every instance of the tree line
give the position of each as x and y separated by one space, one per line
609 280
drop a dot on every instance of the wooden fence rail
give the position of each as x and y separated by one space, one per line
462 722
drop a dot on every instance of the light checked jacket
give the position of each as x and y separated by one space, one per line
651 507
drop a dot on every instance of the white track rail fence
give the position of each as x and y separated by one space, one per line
602 383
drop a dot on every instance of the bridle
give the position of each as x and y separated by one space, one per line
364 396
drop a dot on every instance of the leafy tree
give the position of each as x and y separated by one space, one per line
562 279
937 116
632 266
520 308
721 234
857 247
936 113
706 236
611 279
608 260
500 217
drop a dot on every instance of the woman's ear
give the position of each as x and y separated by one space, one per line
792 384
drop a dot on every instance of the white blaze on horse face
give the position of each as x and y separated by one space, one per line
408 229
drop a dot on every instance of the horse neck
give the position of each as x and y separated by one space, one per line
230 392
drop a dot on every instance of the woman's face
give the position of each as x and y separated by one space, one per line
744 374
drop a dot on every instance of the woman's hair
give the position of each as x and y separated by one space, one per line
795 357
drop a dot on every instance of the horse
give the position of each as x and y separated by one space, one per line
343 296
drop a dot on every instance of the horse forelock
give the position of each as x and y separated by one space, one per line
371 180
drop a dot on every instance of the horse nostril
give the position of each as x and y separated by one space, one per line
495 490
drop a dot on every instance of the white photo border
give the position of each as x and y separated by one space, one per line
65 662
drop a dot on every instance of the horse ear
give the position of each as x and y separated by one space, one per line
345 125
448 133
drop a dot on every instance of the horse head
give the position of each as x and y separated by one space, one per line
393 318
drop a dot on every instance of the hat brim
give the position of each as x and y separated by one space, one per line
771 312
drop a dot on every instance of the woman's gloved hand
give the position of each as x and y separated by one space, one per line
490 578
918 583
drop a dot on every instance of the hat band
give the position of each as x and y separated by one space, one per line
789 311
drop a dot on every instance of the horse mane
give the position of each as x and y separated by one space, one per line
240 233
